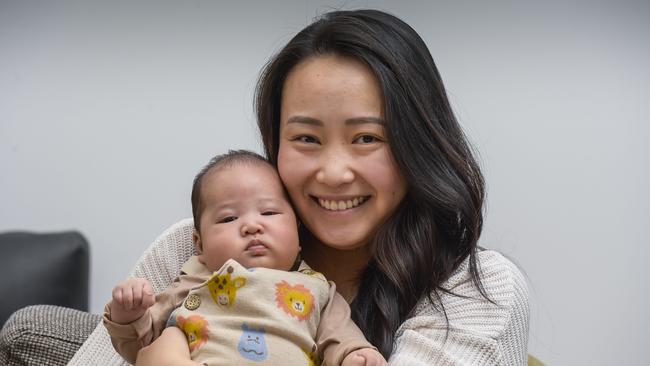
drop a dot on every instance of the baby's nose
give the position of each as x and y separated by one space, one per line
251 227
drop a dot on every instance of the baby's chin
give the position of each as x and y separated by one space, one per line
264 262
252 261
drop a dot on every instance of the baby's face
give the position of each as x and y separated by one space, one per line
246 217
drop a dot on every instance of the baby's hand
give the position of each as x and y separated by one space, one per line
364 356
131 299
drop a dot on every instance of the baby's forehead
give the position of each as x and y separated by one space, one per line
235 173
251 167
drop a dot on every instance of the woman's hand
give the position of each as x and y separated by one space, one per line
364 357
168 349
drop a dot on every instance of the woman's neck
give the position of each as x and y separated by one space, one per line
343 267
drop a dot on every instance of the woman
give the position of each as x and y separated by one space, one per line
355 116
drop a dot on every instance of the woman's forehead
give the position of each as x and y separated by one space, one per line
331 88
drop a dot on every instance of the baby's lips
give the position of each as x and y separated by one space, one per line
256 245
255 242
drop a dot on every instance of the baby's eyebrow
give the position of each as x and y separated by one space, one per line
271 200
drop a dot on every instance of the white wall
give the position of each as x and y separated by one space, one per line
108 109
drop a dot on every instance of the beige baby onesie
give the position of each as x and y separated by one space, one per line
255 316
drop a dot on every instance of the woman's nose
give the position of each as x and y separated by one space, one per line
335 170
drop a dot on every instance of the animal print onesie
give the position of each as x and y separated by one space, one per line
255 316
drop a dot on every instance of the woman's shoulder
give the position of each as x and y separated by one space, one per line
495 271
465 307
461 325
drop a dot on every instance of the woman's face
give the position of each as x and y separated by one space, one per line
334 157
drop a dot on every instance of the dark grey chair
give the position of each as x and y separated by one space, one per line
48 268
44 284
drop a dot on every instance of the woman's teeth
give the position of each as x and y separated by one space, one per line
341 205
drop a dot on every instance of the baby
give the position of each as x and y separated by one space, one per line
245 298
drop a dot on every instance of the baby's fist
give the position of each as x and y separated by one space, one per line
131 299
364 357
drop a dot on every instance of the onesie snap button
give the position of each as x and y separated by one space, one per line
192 302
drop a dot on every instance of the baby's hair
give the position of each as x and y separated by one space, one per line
231 158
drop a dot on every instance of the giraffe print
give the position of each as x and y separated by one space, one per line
223 288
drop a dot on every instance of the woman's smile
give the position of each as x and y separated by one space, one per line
342 203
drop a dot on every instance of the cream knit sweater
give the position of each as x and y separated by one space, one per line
480 333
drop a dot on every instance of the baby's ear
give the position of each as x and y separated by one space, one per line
196 238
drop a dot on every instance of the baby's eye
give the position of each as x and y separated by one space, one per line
269 213
228 219
367 139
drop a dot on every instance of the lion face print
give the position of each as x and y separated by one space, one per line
195 329
295 300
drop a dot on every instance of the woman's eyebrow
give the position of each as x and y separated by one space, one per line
350 121
305 120
364 120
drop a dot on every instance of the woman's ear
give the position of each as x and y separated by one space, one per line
196 238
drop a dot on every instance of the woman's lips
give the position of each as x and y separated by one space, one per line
341 204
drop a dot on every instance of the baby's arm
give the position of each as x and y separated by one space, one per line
364 357
338 337
131 299
152 314
168 349
128 318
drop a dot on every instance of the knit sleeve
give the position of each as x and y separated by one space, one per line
478 332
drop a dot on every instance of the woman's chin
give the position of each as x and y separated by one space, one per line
342 242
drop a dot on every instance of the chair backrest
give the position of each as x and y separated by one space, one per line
160 264
43 268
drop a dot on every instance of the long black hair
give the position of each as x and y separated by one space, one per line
437 225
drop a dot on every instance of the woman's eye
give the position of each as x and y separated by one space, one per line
366 139
228 219
306 139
